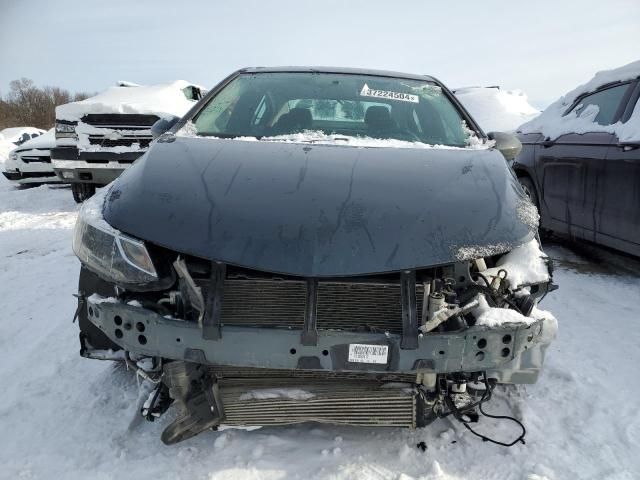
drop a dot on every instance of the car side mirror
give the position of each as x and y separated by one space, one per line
163 125
507 143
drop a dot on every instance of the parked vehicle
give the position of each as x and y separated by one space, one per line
19 135
581 161
495 109
312 244
30 163
5 149
99 137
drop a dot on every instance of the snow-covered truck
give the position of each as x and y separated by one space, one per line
497 110
98 138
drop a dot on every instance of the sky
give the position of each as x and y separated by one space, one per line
544 48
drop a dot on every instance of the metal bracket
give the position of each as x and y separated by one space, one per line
213 308
194 293
410 325
309 335
198 395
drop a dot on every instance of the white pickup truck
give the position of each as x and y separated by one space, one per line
97 138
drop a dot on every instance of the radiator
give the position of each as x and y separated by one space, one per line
351 306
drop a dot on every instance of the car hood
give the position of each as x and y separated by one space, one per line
320 210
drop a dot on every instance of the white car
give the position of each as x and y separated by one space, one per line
31 161
19 135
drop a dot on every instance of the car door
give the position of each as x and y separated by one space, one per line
571 164
618 205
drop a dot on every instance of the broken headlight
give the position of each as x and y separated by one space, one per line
109 253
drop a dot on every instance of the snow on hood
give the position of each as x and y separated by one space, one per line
13 134
496 110
46 140
552 124
162 99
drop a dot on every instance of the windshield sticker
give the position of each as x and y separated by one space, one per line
403 97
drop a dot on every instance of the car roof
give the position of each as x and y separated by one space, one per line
344 70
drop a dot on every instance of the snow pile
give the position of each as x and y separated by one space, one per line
493 317
162 99
5 150
525 265
488 316
496 110
320 138
552 124
269 393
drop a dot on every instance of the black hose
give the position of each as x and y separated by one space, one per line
486 396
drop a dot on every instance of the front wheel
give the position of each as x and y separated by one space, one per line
530 191
82 191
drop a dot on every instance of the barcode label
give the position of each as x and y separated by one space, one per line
360 353
403 97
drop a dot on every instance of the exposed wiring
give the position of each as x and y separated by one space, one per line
462 415
139 371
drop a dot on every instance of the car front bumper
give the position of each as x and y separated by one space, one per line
512 353
101 168
31 177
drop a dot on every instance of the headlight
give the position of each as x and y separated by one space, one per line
65 129
13 156
109 253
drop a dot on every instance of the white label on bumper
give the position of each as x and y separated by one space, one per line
360 353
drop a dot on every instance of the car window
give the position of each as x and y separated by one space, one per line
285 103
607 102
23 138
192 93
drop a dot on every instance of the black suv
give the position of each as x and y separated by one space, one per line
585 178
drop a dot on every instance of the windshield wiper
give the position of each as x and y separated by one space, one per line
220 135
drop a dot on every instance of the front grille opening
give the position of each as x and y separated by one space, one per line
371 304
119 119
264 303
143 142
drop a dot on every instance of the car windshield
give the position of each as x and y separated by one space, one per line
274 104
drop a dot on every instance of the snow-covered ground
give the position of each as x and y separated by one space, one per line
65 417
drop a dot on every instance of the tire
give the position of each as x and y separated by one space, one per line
531 192
82 191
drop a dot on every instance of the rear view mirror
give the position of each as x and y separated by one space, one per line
163 125
507 143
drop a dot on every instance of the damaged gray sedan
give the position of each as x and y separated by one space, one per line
317 245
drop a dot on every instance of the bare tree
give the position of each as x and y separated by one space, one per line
27 104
